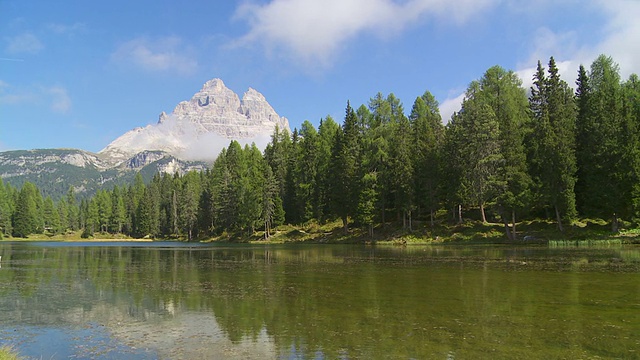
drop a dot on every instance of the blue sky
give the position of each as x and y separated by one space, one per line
77 74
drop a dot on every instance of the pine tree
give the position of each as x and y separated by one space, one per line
270 198
63 215
26 217
366 211
305 171
92 217
105 206
5 210
118 211
377 149
552 142
74 211
477 147
346 158
401 168
502 91
428 139
601 142
188 203
51 218
631 143
277 156
327 131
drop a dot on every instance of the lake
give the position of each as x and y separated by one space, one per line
186 301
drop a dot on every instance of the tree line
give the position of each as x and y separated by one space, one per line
509 154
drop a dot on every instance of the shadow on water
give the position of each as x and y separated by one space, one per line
177 300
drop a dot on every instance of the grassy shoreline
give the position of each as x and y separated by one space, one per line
8 353
470 232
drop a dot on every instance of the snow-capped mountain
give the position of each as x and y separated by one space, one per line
214 114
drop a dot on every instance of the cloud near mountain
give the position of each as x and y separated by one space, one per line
200 128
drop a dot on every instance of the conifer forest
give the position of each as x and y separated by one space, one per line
555 151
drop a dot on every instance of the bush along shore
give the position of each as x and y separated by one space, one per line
537 232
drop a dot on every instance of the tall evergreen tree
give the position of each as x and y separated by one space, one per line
552 142
5 210
118 211
305 171
401 168
346 158
63 215
477 149
26 216
502 91
277 156
51 217
631 141
327 131
188 204
428 139
601 144
74 211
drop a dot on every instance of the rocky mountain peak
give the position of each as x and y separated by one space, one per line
215 111
213 86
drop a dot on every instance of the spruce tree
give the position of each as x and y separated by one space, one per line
552 142
631 143
327 131
5 210
188 200
502 91
601 143
428 139
346 160
26 217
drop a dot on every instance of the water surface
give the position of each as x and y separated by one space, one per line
176 300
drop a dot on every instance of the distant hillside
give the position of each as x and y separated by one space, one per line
53 171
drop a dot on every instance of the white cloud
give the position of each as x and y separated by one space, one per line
186 139
56 96
622 34
60 100
66 29
449 106
8 95
25 43
313 31
163 54
620 42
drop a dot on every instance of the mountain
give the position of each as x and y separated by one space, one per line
214 114
54 170
187 139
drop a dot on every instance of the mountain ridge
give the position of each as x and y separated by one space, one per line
214 115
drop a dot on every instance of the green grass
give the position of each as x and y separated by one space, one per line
8 353
579 233
562 243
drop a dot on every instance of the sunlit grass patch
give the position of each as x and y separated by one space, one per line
8 353
572 243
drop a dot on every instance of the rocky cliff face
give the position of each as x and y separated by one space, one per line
213 112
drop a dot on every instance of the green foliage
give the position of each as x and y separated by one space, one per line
26 218
552 143
501 156
8 353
